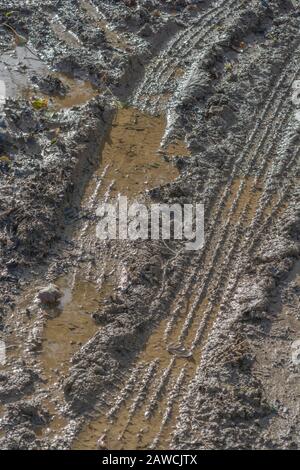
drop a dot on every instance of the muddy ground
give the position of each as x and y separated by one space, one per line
150 345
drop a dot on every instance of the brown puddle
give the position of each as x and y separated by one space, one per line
16 66
132 165
131 155
71 326
64 329
79 92
154 415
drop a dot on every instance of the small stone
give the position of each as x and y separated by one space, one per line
50 295
102 442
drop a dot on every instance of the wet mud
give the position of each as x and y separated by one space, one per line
149 346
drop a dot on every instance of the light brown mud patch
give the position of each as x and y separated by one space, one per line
79 92
18 65
131 155
71 326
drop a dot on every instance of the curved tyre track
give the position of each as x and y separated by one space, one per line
147 420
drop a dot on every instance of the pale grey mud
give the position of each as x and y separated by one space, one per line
121 344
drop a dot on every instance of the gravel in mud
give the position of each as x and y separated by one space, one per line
144 344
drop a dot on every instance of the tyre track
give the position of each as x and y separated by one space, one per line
180 43
233 201
262 137
215 307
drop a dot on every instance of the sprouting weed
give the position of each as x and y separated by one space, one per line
39 103
122 104
5 159
228 66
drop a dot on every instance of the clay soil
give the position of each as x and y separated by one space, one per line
150 346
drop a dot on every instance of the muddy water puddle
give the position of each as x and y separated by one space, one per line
147 416
71 326
18 66
78 93
131 155
130 164
61 331
128 427
15 68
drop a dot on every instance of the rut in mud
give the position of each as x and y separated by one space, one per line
152 346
